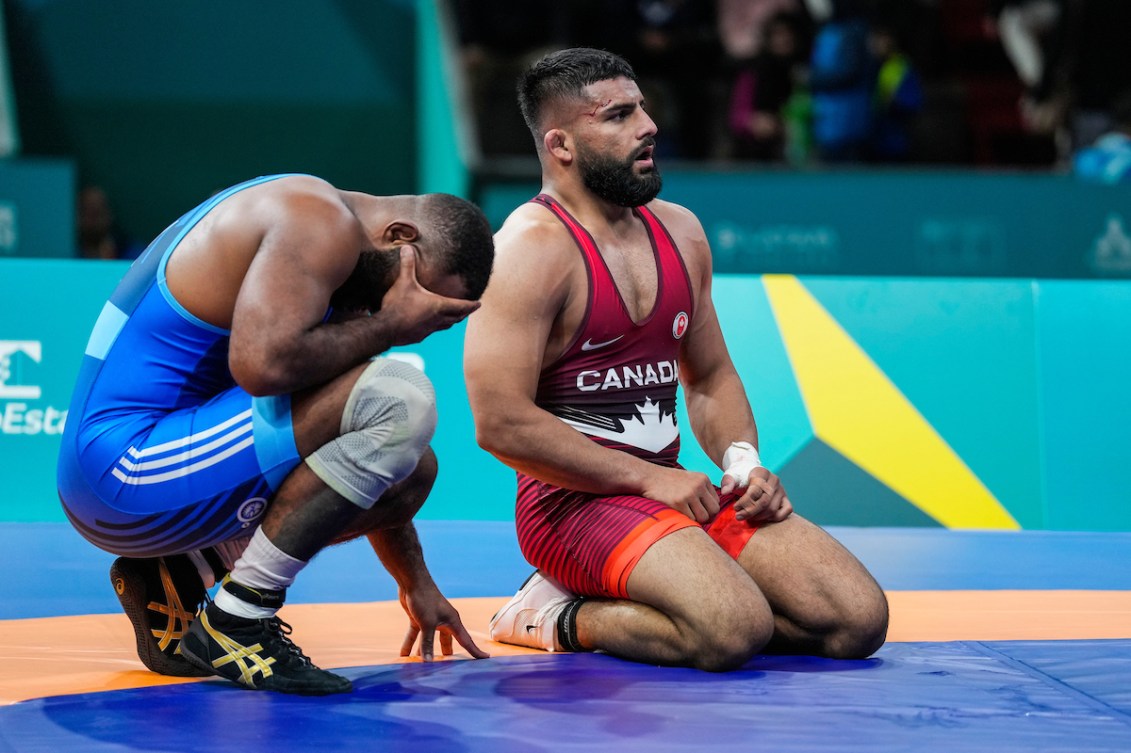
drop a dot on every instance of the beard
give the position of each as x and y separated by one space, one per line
614 180
366 286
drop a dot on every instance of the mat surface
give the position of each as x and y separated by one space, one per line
998 642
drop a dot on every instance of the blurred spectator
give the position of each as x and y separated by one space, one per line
918 26
841 74
742 24
820 10
677 56
1032 35
898 97
1109 159
988 82
98 234
496 40
1100 66
1027 29
762 88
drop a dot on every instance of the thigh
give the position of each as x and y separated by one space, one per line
162 484
691 580
635 548
316 413
589 543
806 575
153 463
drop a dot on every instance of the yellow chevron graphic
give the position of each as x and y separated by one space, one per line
857 410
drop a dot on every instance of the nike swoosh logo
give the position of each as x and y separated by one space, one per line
590 345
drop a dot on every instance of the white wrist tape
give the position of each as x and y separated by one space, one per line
739 460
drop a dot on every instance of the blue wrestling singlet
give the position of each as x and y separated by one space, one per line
162 452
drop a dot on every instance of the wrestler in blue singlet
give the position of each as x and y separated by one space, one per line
162 452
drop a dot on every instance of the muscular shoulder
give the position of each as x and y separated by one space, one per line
537 264
680 221
303 222
532 232
296 207
303 203
533 240
271 233
688 234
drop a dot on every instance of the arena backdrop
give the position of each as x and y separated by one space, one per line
963 403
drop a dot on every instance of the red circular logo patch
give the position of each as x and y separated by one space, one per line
679 326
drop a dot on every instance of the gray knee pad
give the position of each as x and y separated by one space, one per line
388 421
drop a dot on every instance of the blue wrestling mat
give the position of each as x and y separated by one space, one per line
913 695
1005 696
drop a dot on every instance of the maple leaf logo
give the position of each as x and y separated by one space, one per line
651 429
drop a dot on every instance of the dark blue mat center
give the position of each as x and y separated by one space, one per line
962 696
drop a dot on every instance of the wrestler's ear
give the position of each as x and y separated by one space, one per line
398 232
558 145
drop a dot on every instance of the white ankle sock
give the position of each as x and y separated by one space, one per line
261 566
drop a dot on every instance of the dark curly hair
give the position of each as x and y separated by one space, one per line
462 234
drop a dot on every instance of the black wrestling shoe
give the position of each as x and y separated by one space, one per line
257 654
161 596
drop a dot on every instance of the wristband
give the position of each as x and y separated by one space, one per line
739 460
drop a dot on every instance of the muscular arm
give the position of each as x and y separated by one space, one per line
505 346
428 611
716 399
717 405
400 552
311 244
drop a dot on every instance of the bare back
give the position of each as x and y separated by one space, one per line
208 268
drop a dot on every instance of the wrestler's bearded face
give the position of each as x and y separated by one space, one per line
618 181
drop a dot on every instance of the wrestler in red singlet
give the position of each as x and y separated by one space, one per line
616 383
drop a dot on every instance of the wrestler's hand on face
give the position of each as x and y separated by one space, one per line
417 311
764 500
689 492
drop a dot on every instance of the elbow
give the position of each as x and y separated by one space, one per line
258 385
495 432
488 435
259 377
